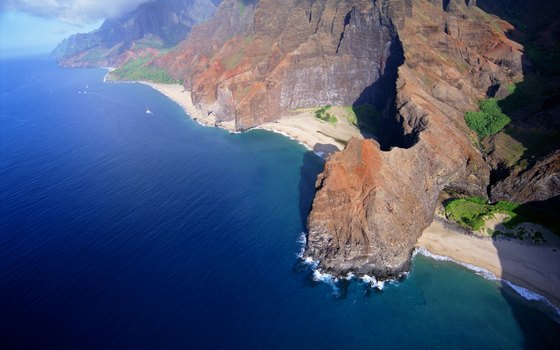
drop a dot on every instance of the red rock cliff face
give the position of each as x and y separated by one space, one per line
371 206
255 62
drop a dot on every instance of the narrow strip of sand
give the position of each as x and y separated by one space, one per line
535 267
318 135
302 126
182 97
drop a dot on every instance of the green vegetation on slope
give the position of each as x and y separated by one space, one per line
472 212
141 68
325 116
489 120
364 116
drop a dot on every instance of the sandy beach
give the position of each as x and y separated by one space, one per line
318 135
535 267
302 126
532 266
182 97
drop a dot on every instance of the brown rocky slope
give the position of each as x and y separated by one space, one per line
255 61
280 56
371 206
419 63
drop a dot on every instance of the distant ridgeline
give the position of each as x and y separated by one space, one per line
153 28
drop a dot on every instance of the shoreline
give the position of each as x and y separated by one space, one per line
534 267
320 137
537 275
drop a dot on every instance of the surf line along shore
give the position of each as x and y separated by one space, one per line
534 267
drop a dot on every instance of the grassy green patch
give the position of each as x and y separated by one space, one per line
325 116
472 212
364 116
141 68
351 115
489 120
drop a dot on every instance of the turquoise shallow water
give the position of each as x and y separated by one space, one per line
121 229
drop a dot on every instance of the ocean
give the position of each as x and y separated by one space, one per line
126 229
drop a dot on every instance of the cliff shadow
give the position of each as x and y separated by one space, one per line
312 165
537 319
534 103
375 106
529 104
536 130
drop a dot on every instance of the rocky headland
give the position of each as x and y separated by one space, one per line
408 69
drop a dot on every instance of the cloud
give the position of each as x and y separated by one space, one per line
76 12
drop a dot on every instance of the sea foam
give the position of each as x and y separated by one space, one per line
523 292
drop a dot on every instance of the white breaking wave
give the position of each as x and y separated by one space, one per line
302 240
373 282
326 278
478 270
525 293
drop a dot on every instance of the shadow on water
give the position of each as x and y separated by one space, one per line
537 320
529 106
311 167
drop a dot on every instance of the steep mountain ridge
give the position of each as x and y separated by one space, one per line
278 57
423 63
371 206
157 25
419 64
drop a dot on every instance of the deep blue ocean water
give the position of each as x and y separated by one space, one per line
121 229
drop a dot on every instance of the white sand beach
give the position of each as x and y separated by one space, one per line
318 135
535 267
532 266
302 125
182 97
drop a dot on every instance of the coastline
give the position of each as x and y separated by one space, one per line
535 267
539 271
182 97
318 136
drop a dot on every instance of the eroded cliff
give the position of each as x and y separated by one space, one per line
419 64
371 206
257 60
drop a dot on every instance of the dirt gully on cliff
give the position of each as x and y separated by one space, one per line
372 205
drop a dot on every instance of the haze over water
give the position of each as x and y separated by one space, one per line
122 229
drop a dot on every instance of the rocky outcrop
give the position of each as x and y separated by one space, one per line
280 56
540 182
156 24
371 206
420 63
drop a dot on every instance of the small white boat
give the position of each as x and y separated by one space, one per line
148 111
